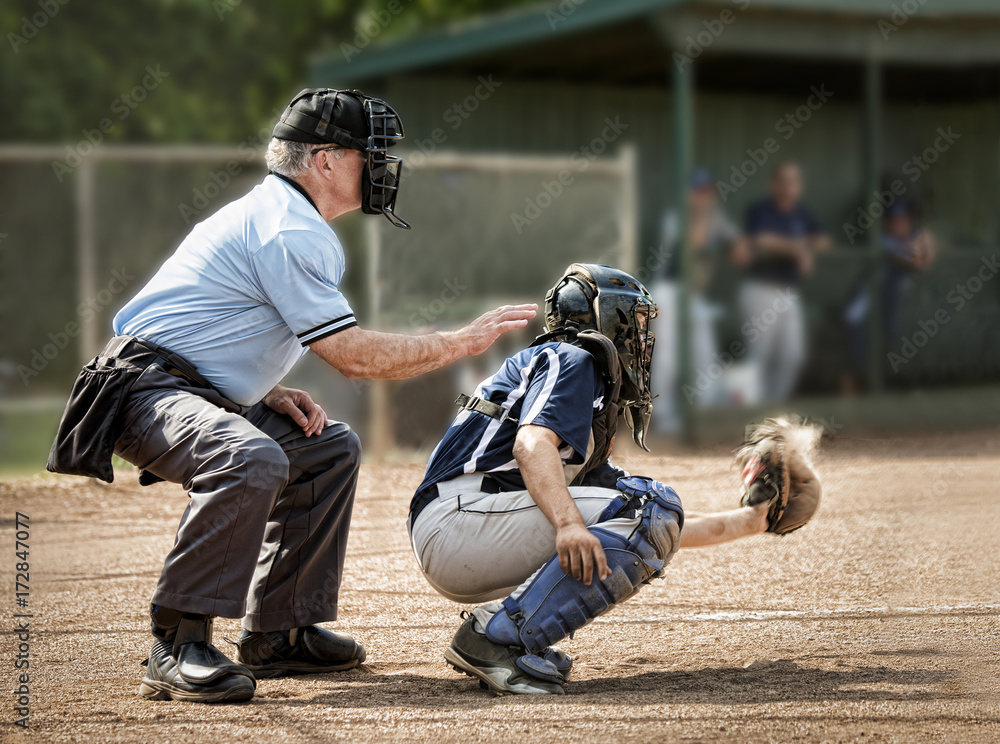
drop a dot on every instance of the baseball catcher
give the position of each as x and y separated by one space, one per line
520 503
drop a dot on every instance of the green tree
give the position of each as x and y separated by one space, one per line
223 67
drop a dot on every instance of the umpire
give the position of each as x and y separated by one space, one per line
188 391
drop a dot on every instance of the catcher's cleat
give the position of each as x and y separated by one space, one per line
309 650
184 665
495 665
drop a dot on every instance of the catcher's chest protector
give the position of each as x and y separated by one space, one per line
605 423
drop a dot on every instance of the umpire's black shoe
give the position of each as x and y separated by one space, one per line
495 665
309 650
184 665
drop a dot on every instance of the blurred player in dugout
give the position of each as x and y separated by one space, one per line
785 236
906 250
713 238
188 391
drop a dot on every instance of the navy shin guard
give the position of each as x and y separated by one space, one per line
555 604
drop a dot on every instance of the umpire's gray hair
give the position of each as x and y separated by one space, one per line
290 159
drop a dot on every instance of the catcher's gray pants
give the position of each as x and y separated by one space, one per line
476 547
265 530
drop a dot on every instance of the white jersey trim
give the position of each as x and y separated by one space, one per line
515 395
550 382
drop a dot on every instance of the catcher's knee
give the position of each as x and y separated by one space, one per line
661 528
658 536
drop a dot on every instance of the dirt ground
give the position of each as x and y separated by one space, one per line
880 621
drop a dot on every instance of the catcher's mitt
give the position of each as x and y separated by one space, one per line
776 463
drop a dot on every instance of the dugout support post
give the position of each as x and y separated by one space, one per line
86 254
872 169
682 75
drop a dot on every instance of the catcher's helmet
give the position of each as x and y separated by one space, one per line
613 303
351 119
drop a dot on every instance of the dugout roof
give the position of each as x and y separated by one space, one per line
867 50
940 49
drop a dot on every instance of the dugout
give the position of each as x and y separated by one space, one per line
863 87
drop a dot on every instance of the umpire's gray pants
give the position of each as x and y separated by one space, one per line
265 531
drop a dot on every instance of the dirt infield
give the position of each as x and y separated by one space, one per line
878 622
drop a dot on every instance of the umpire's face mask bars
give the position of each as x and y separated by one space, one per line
380 180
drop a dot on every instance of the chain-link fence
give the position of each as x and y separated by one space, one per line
80 235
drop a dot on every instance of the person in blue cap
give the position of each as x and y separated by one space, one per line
785 237
906 250
713 238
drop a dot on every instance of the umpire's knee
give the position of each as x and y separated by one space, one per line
344 446
352 448
267 464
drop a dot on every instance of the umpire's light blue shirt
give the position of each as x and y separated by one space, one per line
246 292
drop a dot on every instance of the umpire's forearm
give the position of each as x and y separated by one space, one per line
392 356
355 353
704 530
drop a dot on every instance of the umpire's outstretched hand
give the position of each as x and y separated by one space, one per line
375 355
487 328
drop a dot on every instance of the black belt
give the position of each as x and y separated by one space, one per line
146 353
490 485
423 497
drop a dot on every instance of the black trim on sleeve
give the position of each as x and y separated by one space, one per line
323 325
330 333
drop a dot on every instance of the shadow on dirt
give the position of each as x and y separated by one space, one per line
764 682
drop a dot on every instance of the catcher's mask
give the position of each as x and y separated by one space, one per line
611 302
349 118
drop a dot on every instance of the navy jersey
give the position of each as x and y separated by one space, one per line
554 385
765 217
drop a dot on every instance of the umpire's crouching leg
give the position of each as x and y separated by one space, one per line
301 561
233 473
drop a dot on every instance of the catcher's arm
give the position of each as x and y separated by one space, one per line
705 530
536 449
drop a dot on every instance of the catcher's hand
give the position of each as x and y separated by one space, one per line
776 463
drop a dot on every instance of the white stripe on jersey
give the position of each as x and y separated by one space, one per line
543 397
514 396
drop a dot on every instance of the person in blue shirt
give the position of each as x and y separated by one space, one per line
906 250
189 391
784 237
521 503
